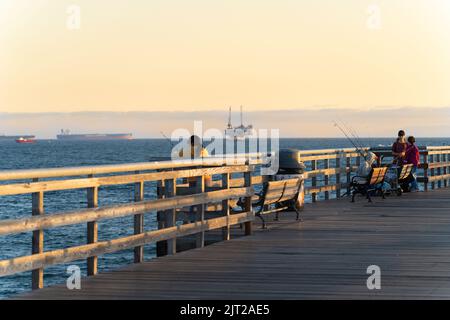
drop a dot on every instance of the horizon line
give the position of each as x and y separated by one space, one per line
225 109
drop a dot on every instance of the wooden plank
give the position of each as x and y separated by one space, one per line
348 165
91 182
331 187
248 203
313 181
326 165
338 179
324 257
441 164
438 178
116 211
21 264
329 171
239 182
138 220
200 211
327 156
92 230
226 234
425 171
170 214
129 167
37 243
161 246
329 151
432 171
445 169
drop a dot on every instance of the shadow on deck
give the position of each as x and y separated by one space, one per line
325 257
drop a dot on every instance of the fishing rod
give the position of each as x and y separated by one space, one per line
353 133
358 149
167 138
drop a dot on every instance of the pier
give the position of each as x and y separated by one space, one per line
325 256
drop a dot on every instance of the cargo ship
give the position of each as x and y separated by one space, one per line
67 135
13 138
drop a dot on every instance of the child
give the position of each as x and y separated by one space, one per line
413 157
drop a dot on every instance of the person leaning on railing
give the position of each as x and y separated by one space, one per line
413 157
197 152
399 148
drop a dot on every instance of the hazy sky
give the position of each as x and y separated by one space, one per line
377 122
208 54
203 55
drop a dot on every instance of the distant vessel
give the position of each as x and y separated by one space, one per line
66 135
239 132
3 137
25 140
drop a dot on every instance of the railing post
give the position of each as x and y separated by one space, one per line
248 202
37 276
200 212
226 207
338 177
314 180
432 171
161 246
92 229
445 168
170 215
439 170
348 165
425 170
138 220
326 165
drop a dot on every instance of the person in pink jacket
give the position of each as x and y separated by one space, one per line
412 156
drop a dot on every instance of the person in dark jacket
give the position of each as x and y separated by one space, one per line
399 148
412 156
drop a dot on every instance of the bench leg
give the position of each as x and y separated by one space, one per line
263 221
276 217
298 214
369 199
354 195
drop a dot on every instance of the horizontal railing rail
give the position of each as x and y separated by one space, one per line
434 165
331 170
218 160
168 205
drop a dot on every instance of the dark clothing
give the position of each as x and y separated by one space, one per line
399 147
412 155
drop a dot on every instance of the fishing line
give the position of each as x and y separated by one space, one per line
167 138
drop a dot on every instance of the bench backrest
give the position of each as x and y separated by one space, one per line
283 190
377 175
405 172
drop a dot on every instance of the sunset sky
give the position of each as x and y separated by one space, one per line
199 55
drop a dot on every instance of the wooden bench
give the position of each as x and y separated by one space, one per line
403 177
276 196
365 185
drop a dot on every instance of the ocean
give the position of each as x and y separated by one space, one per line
53 153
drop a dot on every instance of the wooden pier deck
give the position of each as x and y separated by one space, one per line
326 257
